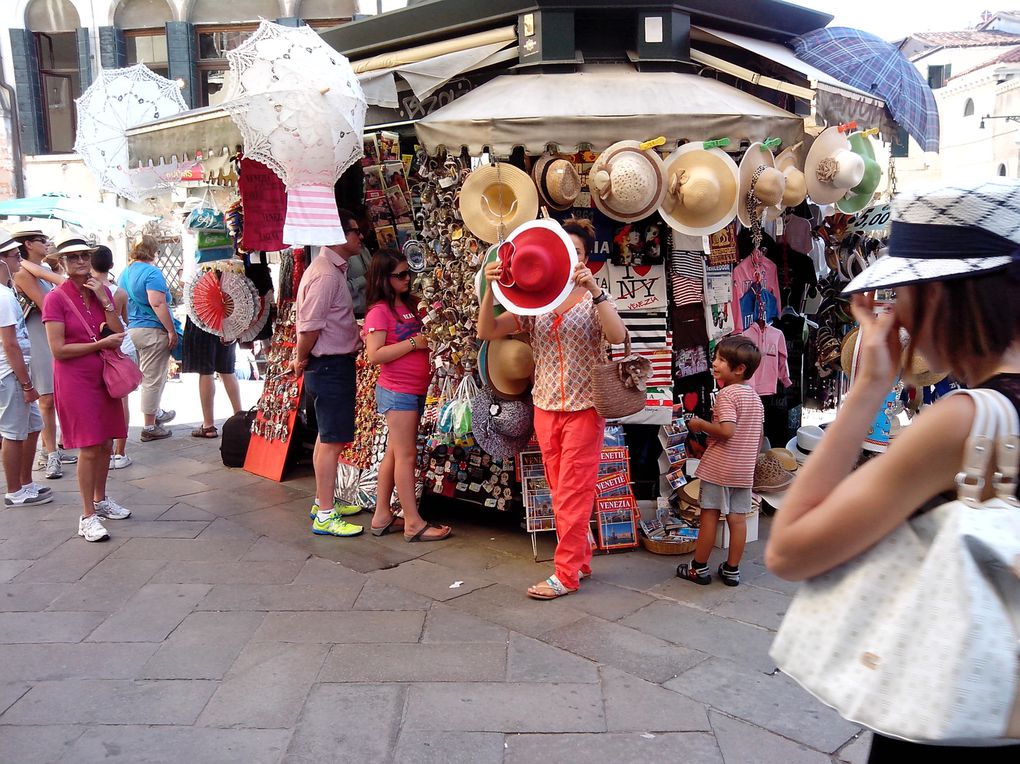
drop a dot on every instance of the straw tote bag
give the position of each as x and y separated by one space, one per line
618 387
121 375
917 638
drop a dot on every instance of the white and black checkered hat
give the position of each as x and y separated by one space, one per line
948 232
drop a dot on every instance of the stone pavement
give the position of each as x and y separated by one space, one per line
213 627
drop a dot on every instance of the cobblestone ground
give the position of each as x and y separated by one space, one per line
213 627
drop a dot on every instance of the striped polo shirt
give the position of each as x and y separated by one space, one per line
730 462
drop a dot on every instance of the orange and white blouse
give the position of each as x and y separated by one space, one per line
566 347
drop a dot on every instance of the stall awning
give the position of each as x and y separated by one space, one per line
833 101
209 130
597 106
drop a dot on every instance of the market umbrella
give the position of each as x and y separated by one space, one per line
73 210
120 99
298 104
871 64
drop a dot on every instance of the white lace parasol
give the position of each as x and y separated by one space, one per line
298 104
117 100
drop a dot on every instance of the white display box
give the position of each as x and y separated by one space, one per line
722 533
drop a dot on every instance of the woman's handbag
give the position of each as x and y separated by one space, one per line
121 375
917 638
618 387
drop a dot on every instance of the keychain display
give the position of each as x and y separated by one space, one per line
282 392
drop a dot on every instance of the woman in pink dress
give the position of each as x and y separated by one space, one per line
75 314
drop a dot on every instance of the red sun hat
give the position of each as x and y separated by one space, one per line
538 261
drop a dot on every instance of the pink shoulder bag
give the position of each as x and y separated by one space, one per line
121 375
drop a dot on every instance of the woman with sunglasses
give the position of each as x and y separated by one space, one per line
81 320
393 340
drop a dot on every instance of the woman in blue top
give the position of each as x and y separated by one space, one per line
151 330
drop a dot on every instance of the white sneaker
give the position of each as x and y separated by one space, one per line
54 469
162 417
119 461
39 490
40 462
24 498
66 458
91 529
108 509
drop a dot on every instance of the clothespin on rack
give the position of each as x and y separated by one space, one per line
718 143
772 143
847 127
654 142
869 132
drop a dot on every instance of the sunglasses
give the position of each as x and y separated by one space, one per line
12 253
78 257
354 230
402 275
40 239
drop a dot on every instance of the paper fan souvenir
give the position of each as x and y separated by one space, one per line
222 303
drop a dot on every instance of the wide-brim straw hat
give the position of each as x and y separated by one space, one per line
846 350
769 475
702 190
691 492
947 232
538 268
759 176
497 198
506 365
920 374
787 459
832 168
7 243
558 181
22 231
68 241
860 196
627 183
481 285
795 191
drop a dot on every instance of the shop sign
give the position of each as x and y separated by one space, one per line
872 220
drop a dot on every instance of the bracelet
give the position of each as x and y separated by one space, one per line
108 308
414 345
27 385
600 299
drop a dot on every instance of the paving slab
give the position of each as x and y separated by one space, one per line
708 633
266 686
328 573
227 502
634 705
633 570
169 484
378 596
353 723
184 511
55 661
512 608
424 747
139 528
28 597
279 597
621 747
740 742
151 614
182 549
94 701
529 660
203 646
34 628
625 648
434 662
209 572
10 692
26 744
108 585
70 561
448 624
608 601
505 707
156 745
223 529
856 751
756 605
32 546
431 580
355 626
773 702
10 568
267 549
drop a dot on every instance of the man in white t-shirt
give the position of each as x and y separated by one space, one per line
20 420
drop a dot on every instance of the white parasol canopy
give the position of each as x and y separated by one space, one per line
298 104
597 106
120 99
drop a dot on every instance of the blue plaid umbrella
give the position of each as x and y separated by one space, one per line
871 64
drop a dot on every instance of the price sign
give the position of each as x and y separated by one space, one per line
871 220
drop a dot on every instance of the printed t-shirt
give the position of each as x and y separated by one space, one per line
137 279
773 367
11 315
409 373
730 462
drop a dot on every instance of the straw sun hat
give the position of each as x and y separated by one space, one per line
497 198
506 365
627 183
701 190
760 178
557 180
832 167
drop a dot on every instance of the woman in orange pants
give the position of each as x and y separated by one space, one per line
567 343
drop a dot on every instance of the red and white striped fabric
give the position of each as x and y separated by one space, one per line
312 217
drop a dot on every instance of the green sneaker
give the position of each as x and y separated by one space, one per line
335 526
344 510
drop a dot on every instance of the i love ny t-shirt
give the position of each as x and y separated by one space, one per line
409 373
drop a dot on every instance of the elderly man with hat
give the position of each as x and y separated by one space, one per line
20 421
327 346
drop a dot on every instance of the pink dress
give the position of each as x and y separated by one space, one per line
88 415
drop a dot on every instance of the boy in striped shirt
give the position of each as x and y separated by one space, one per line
727 466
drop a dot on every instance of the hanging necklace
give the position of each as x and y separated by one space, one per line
84 300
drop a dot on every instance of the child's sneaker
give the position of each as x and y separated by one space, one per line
335 525
697 575
344 510
91 529
729 576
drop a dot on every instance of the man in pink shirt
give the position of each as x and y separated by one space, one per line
328 342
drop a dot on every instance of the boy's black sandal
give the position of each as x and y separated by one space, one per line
695 575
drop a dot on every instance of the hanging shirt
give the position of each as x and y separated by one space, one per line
754 274
756 304
264 201
773 367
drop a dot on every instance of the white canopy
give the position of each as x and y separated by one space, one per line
598 106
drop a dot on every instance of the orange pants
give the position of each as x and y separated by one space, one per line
571 443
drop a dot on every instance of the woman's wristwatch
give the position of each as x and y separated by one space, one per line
601 298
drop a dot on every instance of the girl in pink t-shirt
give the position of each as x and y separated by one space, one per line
393 340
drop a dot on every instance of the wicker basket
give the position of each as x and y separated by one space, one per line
667 547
